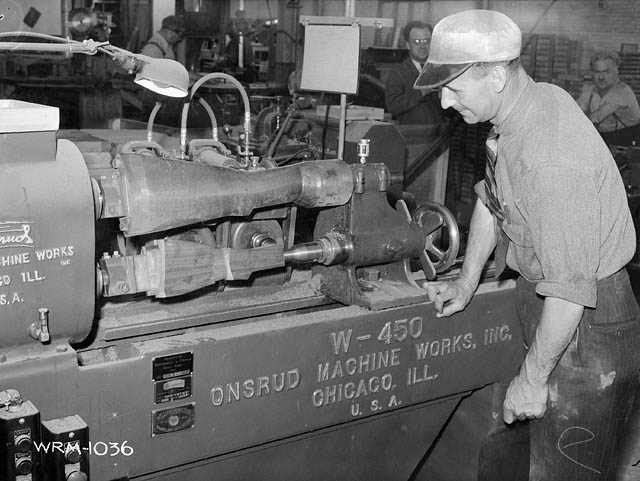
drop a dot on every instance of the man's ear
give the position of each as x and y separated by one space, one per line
498 78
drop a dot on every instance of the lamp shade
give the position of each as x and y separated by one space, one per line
163 76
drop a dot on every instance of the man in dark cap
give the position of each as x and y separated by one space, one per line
553 207
409 106
162 43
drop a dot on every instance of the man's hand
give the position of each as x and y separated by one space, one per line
524 400
584 99
587 88
528 393
450 297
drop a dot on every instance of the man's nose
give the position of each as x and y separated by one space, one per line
446 98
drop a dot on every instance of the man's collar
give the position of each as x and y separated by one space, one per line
164 40
602 93
416 63
510 119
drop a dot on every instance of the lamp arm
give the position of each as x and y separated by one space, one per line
159 77
122 58
42 36
64 45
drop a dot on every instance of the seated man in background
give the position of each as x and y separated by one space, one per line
610 103
407 105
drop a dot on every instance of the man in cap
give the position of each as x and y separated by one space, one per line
407 105
162 45
553 207
163 42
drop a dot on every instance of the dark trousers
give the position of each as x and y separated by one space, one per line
582 436
623 137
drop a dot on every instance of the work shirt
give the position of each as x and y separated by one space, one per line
158 47
567 217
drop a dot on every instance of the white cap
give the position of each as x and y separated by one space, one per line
465 38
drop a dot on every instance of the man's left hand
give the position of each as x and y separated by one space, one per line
524 400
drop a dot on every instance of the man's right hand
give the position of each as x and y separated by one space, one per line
587 88
450 297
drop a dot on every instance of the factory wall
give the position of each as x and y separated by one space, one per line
597 24
42 16
161 9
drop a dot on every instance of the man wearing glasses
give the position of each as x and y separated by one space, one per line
163 42
409 106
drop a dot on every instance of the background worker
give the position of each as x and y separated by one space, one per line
162 44
407 105
610 103
554 208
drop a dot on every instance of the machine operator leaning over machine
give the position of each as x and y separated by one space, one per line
553 207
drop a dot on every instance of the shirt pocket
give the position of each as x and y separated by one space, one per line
517 233
521 254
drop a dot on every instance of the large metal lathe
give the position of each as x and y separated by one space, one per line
171 317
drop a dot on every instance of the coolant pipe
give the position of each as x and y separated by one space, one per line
283 127
212 118
152 119
183 125
245 100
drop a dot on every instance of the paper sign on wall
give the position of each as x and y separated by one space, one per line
331 61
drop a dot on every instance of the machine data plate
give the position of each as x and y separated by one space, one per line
173 389
175 365
174 419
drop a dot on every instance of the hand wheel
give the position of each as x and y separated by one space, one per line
433 218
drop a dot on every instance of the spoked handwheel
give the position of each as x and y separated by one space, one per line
442 238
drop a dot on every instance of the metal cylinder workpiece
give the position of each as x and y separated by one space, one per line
163 194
